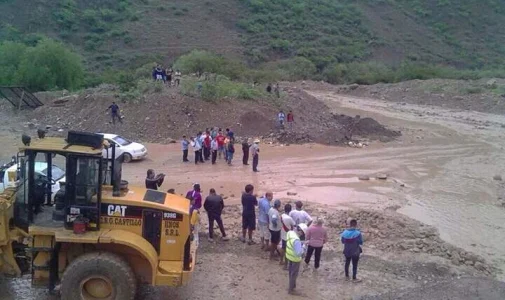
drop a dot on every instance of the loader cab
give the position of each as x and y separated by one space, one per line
80 194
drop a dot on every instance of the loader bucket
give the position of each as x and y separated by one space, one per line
8 265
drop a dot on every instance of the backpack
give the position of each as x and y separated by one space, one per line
231 148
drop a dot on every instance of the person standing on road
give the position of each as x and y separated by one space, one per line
197 148
249 202
206 145
263 209
294 252
316 238
245 151
214 205
352 240
255 151
299 215
201 138
194 212
291 120
154 181
281 117
114 113
287 225
220 143
214 148
195 194
230 150
185 146
275 226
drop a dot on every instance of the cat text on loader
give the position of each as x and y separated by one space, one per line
99 238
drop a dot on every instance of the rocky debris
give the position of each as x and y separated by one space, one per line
497 178
291 193
381 176
167 114
364 177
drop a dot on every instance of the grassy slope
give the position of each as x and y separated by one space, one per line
466 33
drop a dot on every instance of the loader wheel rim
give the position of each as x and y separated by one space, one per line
97 287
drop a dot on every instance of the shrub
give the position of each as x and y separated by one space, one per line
220 88
50 65
12 54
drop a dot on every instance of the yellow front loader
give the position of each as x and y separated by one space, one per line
96 238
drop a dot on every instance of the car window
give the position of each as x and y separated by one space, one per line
57 173
121 140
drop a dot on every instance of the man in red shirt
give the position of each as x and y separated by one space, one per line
220 143
291 119
206 145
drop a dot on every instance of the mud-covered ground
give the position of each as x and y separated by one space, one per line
440 172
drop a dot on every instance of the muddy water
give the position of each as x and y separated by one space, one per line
448 159
440 172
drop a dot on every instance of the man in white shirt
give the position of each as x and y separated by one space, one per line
197 147
275 226
287 225
299 215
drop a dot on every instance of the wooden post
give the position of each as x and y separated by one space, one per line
21 99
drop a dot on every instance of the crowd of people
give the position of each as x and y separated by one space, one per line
213 144
289 235
167 75
296 232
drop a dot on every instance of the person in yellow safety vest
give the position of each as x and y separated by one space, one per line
294 253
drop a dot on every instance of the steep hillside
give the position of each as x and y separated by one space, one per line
462 33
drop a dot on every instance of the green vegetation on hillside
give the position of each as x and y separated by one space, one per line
48 65
339 41
324 31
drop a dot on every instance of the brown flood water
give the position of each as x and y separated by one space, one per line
445 159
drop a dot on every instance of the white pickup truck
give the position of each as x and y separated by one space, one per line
9 176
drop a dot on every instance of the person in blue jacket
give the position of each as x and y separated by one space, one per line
352 240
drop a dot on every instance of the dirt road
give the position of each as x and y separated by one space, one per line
440 172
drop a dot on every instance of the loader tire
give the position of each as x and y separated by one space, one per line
98 276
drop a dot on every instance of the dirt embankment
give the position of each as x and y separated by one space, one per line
165 116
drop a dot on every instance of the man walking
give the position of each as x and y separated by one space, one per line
352 240
214 205
287 225
114 113
245 151
316 238
185 146
263 209
291 120
214 148
275 226
249 202
255 150
294 252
